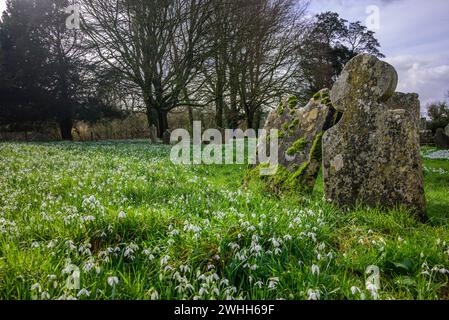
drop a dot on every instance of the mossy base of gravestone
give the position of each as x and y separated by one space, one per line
441 139
372 157
300 132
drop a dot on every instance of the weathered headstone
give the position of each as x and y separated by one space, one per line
166 137
441 139
446 130
372 156
300 135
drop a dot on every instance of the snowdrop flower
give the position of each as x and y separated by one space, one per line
276 243
45 295
355 290
112 281
88 266
122 215
273 283
371 287
37 287
288 237
164 260
83 292
315 269
154 295
224 282
184 268
313 294
202 292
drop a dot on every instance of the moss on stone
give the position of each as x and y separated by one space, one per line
296 180
293 102
317 96
299 145
293 124
281 109
284 126
274 183
281 134
316 152
326 101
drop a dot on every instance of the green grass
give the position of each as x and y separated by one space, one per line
183 232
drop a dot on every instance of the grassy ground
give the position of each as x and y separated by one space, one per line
139 227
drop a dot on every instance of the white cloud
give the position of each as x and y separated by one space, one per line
2 5
425 75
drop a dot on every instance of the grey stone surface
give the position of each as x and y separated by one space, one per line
446 130
372 156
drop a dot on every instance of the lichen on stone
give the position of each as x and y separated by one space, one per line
372 157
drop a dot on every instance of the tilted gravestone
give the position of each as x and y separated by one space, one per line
300 132
166 137
372 156
441 139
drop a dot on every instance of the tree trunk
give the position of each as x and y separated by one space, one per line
258 119
152 120
250 119
191 119
65 126
234 112
162 123
219 105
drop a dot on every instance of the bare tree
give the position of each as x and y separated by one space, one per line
158 45
252 60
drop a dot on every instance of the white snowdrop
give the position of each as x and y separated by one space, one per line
113 281
315 269
313 294
122 215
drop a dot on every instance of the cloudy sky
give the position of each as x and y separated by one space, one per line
414 35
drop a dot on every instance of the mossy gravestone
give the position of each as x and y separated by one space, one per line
300 135
372 156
